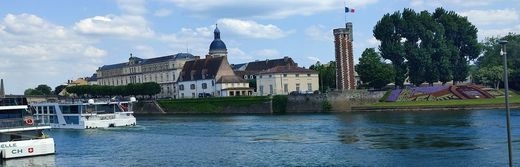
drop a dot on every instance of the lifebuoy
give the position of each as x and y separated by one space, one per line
29 121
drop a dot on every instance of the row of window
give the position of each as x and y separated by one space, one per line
137 79
192 86
285 88
284 75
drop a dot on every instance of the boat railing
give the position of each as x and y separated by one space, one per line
8 123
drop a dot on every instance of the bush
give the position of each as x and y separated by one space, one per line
279 103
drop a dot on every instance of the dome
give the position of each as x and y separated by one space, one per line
217 46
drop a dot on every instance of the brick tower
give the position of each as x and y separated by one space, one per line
344 58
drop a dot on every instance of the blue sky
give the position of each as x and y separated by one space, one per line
50 42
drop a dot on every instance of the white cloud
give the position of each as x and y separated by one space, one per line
162 12
461 3
94 52
318 32
314 59
35 51
268 53
132 7
126 26
373 42
275 9
499 32
236 55
251 29
486 17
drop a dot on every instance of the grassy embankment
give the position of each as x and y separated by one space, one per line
514 98
215 104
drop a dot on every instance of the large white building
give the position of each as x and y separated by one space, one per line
162 70
282 80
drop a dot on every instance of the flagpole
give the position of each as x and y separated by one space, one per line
345 12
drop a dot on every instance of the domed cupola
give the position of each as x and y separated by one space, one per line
217 47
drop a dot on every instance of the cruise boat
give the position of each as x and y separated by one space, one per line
89 114
21 135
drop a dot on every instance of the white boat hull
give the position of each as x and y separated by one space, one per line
26 148
88 124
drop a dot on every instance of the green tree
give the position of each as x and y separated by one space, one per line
491 75
388 30
461 40
491 57
327 75
373 71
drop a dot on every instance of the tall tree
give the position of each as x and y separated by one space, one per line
388 30
461 37
373 71
327 75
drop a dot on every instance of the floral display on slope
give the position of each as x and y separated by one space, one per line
435 93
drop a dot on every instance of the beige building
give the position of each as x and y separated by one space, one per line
162 70
282 80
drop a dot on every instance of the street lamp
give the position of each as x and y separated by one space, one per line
503 52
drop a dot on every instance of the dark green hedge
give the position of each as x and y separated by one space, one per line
210 105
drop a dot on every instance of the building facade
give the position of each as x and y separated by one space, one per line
345 77
283 80
211 76
162 70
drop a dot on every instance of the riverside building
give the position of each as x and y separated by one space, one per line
212 76
162 70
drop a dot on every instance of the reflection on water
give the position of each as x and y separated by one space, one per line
441 138
405 130
37 161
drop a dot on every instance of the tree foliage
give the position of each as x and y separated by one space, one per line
327 75
41 89
373 71
427 47
147 88
491 57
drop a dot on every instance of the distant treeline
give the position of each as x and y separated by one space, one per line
133 89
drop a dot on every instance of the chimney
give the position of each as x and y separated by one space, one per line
209 56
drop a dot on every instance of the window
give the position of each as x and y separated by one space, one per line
309 86
297 75
192 86
284 75
270 89
182 95
245 76
260 76
308 75
261 89
270 76
181 87
285 88
298 87
204 85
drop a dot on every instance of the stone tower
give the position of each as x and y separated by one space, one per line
345 79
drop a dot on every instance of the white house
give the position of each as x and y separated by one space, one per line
282 80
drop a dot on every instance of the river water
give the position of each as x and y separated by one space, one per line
441 138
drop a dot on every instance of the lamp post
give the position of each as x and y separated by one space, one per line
503 52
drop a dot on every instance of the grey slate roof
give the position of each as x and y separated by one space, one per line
195 69
150 61
257 66
231 79
288 69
